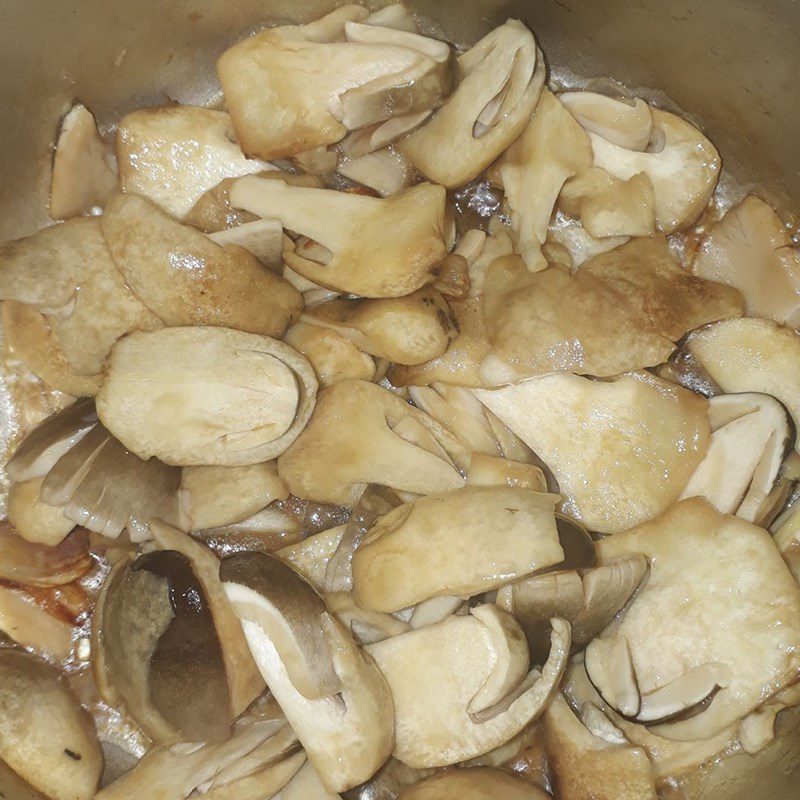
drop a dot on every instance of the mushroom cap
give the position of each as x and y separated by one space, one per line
624 122
474 783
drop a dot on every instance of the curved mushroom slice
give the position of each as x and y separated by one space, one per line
622 451
622 310
385 170
347 735
474 783
265 532
219 496
378 138
388 782
306 785
28 564
206 396
552 149
262 237
461 543
624 122
609 666
437 671
34 520
752 355
47 741
748 443
395 16
579 244
750 248
186 279
172 155
82 178
787 539
32 626
367 626
682 165
310 557
361 419
378 247
492 471
751 645
426 331
501 79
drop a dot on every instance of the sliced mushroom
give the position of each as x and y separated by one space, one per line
435 673
623 122
172 155
395 16
787 539
461 543
206 396
82 178
380 137
370 253
501 78
29 564
186 279
306 784
487 470
48 743
34 627
361 419
682 165
552 149
434 610
387 783
343 718
579 244
748 443
751 249
385 170
34 520
265 532
474 783
262 237
367 626
310 557
622 451
609 665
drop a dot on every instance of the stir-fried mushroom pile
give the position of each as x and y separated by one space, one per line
406 427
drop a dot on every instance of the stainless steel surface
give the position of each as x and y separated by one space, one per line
733 63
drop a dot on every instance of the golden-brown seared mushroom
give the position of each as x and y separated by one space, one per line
405 330
186 279
461 543
751 249
474 783
460 687
82 178
333 696
206 396
48 744
361 433
172 155
501 78
626 123
622 451
364 245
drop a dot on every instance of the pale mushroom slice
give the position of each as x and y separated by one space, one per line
267 531
48 744
187 279
344 717
485 470
379 138
624 122
262 237
474 783
372 247
310 557
751 355
194 396
385 170
568 234
711 659
34 520
426 331
306 784
750 248
748 442
396 15
82 178
174 154
682 164
533 170
366 625
362 419
622 451
787 539
436 673
501 79
25 622
462 543
35 564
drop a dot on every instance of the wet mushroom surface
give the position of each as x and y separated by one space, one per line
399 422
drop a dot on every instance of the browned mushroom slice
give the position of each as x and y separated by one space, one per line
624 122
474 783
371 247
32 564
186 279
48 744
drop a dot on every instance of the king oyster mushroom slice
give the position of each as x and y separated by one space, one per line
277 112
786 535
172 155
461 543
751 249
333 696
195 396
371 247
460 686
82 178
32 518
552 149
25 622
474 783
751 355
622 310
395 16
30 564
624 122
580 245
622 451
714 660
748 443
682 165
387 783
48 744
306 785
366 625
377 140
388 442
426 331
310 556
186 279
386 171
487 470
262 237
501 78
